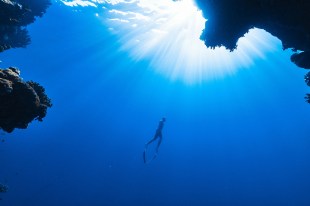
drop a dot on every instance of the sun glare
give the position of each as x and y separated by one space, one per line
167 33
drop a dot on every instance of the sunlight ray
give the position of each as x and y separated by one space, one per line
167 34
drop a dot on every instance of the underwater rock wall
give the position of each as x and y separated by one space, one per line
288 20
15 15
20 101
307 80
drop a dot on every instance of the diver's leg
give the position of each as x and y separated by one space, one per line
158 144
149 142
152 140
146 145
144 156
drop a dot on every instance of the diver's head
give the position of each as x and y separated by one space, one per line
163 119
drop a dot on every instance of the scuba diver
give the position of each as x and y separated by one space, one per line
158 135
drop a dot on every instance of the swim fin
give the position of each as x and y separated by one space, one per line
144 156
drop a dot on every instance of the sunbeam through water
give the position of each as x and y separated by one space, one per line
167 34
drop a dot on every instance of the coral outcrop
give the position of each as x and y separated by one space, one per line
21 101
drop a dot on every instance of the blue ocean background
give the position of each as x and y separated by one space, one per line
242 139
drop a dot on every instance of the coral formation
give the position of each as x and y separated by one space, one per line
228 20
14 16
3 188
21 101
288 20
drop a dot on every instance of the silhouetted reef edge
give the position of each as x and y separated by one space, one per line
288 20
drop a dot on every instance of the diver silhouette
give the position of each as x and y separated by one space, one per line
158 135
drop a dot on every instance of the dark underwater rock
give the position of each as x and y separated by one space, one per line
14 16
3 188
307 79
301 59
307 97
20 102
288 20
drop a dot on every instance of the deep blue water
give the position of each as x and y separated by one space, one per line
238 140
